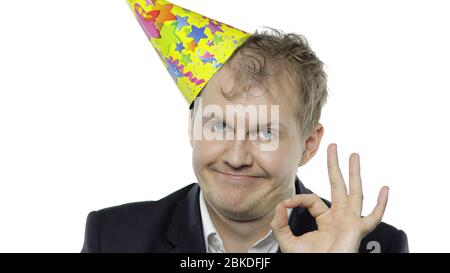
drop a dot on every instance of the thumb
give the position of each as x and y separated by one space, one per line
280 227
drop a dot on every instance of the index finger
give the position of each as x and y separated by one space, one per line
312 202
280 226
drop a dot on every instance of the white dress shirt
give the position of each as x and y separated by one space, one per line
214 244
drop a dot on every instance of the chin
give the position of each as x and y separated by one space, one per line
239 214
237 206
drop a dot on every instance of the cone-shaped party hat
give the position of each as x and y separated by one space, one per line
192 47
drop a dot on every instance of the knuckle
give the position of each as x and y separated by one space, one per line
357 196
314 196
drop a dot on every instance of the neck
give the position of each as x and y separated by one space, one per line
239 236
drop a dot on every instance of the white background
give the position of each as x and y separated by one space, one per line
89 118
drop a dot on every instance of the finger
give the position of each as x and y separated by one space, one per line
374 218
280 227
355 185
312 202
338 188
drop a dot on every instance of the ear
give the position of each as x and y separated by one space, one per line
311 144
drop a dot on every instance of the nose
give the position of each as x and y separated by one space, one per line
237 154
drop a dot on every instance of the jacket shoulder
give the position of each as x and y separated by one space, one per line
384 239
131 227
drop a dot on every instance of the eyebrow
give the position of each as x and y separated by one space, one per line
210 116
262 125
269 124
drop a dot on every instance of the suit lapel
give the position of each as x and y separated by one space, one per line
185 231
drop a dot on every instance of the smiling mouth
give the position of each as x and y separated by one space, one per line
238 177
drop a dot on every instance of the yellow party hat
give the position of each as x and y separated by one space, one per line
192 47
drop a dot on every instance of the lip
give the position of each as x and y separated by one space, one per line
239 178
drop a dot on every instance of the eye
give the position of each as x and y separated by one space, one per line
219 126
265 134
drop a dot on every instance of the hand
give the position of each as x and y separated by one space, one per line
341 227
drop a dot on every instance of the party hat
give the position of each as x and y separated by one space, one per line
193 47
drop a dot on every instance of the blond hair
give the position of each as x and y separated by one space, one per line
272 56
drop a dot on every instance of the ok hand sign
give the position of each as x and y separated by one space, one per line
341 227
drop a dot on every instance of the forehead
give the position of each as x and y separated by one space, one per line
224 89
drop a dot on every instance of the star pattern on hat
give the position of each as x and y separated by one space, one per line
197 33
191 45
179 47
217 39
165 13
208 58
213 27
186 58
181 22
169 34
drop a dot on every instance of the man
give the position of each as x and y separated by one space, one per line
248 198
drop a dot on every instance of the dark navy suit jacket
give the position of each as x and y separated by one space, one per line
173 224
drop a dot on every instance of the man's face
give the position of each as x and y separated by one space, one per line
240 180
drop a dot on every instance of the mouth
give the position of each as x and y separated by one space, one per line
237 177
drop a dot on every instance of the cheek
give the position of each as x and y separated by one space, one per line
205 153
280 163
